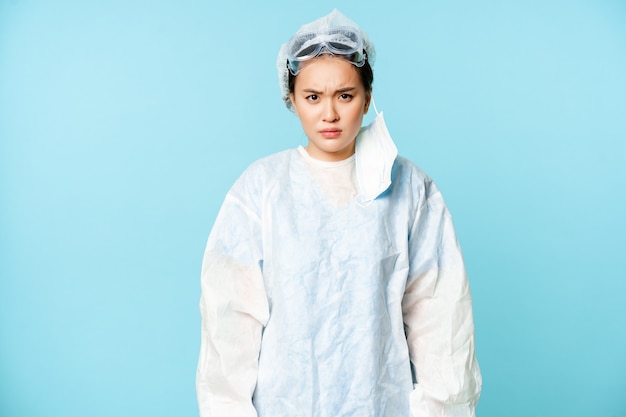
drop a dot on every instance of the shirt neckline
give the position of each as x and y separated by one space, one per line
326 164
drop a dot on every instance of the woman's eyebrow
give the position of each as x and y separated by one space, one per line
339 91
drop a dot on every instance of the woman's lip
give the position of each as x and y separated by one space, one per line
330 133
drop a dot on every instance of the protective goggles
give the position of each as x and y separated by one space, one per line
341 41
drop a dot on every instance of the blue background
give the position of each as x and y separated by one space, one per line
124 123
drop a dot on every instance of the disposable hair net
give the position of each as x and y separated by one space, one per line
317 31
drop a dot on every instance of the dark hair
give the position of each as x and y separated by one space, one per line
365 73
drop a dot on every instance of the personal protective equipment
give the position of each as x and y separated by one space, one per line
342 41
376 153
334 33
316 306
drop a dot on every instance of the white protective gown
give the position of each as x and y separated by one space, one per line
316 306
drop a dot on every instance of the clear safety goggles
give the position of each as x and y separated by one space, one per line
341 41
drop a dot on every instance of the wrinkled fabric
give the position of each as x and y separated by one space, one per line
312 308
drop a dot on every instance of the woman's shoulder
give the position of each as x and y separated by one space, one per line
270 165
264 171
406 168
272 160
410 177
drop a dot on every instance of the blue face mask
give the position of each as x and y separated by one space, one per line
375 155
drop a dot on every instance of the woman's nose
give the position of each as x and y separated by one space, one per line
330 112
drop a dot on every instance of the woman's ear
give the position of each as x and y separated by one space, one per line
368 100
292 98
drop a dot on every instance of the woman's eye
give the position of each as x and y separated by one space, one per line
345 96
312 97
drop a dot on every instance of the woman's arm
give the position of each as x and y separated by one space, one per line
437 309
234 310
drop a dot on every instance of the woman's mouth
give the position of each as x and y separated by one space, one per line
330 133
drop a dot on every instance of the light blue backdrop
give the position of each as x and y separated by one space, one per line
123 123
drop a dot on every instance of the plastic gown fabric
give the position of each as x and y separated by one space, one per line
316 306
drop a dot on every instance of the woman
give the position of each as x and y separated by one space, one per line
332 281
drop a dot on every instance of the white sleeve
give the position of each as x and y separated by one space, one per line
234 310
437 310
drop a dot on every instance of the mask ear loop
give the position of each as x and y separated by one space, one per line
374 104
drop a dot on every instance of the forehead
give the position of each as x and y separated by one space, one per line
328 71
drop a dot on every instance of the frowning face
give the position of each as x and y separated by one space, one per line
330 100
